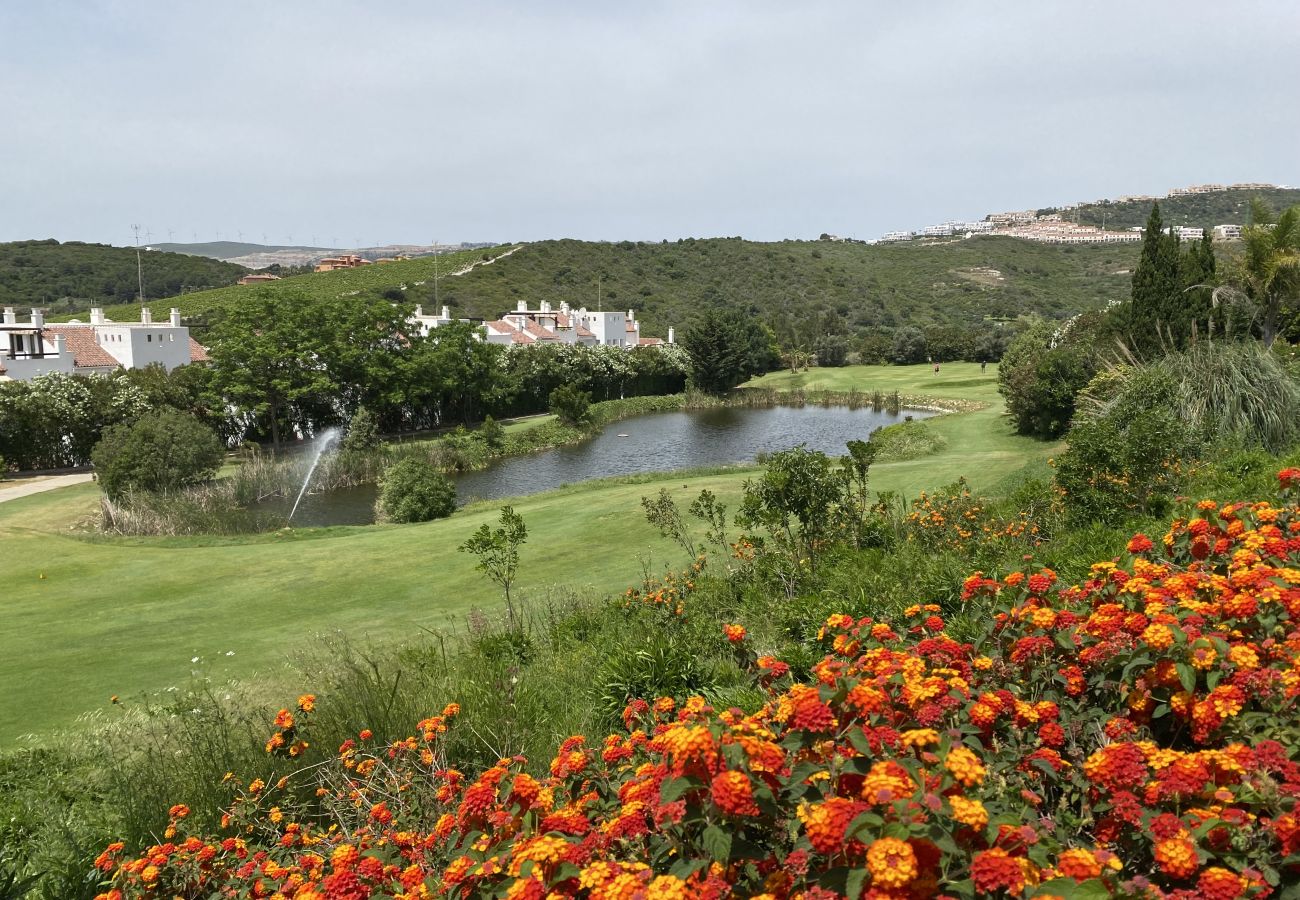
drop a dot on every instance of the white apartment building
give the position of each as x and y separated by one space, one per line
1227 232
891 236
34 348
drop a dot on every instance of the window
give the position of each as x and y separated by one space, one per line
149 338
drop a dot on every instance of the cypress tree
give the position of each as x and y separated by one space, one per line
1156 302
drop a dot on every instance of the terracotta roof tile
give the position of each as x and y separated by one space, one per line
86 352
583 332
198 353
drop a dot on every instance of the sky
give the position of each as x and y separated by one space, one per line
364 123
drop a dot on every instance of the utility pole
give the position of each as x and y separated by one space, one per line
435 277
598 293
139 266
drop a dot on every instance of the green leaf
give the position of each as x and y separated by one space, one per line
717 843
853 883
1186 676
673 790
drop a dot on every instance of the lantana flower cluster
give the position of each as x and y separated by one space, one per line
1129 736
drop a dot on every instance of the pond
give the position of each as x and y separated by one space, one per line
659 442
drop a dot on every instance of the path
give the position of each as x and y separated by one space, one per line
35 485
483 262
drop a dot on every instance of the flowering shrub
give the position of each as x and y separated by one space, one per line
953 518
1131 736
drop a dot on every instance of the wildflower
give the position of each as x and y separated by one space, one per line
1218 883
891 862
733 793
1176 856
735 633
969 812
995 870
964 766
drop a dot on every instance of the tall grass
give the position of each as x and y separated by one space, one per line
1230 392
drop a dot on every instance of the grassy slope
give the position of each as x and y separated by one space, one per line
1197 210
825 286
72 277
375 278
922 283
126 616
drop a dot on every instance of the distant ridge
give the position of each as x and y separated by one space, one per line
228 250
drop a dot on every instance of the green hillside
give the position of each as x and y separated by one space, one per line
71 277
1197 210
395 279
806 286
801 288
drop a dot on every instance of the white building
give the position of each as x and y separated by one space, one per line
29 350
1185 232
37 348
1227 232
891 236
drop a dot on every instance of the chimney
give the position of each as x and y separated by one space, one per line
446 313
176 317
671 339
38 318
521 306
60 345
564 307
419 311
11 317
631 315
146 316
96 315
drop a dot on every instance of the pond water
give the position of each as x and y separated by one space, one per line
659 442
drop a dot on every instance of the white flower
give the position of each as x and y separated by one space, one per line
194 660
230 653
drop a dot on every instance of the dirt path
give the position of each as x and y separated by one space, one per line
27 486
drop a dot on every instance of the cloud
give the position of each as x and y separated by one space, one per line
405 121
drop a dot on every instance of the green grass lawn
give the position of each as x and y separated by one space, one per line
87 617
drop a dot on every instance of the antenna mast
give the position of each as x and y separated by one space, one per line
139 266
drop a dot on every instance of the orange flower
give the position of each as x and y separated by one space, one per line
733 793
1176 856
735 633
891 862
995 870
969 812
965 766
1078 864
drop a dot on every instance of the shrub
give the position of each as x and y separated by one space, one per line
493 434
906 440
1040 382
413 491
1156 725
1128 461
570 405
908 347
362 434
164 450
832 351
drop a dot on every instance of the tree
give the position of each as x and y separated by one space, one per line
1040 382
493 434
726 347
269 357
497 551
909 346
162 451
832 351
570 405
411 490
796 486
1267 275
363 433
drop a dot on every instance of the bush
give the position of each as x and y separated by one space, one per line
413 491
164 450
909 346
832 351
570 405
1040 382
1129 461
1146 707
493 434
362 434
906 440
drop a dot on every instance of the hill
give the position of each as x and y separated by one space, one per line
71 277
805 288
1196 210
395 280
801 288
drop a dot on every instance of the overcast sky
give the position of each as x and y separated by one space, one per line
377 122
